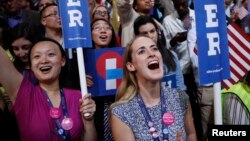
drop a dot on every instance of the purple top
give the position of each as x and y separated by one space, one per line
32 113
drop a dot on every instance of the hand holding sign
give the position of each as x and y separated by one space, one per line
87 106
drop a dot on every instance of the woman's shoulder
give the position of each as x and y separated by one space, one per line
126 104
175 93
124 107
126 111
71 90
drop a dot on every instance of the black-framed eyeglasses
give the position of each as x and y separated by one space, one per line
51 15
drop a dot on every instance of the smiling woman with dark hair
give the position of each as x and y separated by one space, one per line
103 34
21 39
47 111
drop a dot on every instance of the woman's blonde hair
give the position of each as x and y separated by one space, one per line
128 87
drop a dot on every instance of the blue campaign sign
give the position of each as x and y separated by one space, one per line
169 81
76 23
212 40
105 67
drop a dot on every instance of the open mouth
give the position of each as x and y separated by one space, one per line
153 65
45 69
103 37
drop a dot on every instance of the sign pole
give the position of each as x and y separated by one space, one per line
81 68
217 103
82 75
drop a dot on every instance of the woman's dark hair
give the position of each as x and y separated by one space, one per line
113 42
167 56
64 71
23 30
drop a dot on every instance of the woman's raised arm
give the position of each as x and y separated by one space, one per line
10 78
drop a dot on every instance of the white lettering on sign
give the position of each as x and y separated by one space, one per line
213 41
211 10
74 3
75 16
212 21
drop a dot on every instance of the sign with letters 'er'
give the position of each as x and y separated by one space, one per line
105 67
212 41
76 23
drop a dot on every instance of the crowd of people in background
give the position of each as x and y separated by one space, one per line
39 75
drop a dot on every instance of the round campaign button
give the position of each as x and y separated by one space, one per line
165 131
155 135
152 129
168 118
54 113
67 123
150 124
60 132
